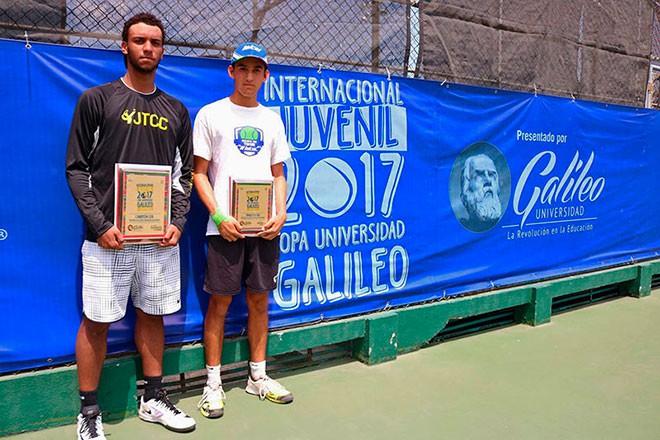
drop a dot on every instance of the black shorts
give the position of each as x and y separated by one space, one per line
252 262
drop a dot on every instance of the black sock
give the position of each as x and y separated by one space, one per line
151 384
88 398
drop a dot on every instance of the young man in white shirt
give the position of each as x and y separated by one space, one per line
238 138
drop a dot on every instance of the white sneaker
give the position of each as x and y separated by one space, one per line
161 410
267 388
90 426
212 404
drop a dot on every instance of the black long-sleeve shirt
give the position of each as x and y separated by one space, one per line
114 124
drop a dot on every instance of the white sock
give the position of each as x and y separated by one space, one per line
213 375
257 369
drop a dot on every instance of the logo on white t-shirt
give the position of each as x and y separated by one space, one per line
249 140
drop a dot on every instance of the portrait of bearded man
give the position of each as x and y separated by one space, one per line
480 193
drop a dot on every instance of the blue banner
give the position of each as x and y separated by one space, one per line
399 191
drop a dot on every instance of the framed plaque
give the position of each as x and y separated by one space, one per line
142 201
251 203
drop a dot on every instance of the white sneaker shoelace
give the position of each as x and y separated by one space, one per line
162 401
92 429
271 385
212 393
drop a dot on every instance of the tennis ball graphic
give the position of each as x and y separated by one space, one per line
330 187
249 133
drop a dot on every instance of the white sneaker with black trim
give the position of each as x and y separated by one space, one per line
267 388
90 425
161 410
212 404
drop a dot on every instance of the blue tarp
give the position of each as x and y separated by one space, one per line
400 191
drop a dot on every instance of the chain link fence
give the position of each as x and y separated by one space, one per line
653 93
372 36
587 49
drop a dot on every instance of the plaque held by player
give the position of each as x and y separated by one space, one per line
251 203
142 201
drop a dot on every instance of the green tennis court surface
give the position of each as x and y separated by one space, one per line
591 373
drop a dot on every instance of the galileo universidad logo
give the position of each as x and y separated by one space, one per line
479 187
555 188
249 140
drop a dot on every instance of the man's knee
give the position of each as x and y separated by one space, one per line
257 302
141 315
219 304
93 328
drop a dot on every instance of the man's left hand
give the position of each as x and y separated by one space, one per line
171 237
273 227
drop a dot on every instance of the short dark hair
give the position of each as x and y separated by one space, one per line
145 18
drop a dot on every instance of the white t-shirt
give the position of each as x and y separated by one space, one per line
239 142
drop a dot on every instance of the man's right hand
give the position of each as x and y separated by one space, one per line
230 229
111 239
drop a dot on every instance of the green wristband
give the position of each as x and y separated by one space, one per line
218 217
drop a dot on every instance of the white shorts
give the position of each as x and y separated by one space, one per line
148 272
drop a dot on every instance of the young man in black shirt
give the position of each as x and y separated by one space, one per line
130 121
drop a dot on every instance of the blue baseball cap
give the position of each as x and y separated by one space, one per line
250 50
